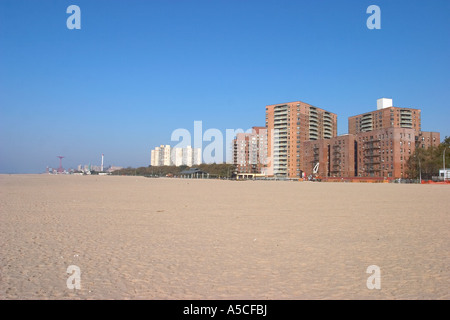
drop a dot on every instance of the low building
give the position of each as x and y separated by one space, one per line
194 173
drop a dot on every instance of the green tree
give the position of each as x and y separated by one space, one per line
428 161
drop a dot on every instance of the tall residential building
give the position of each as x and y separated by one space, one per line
250 151
386 116
161 156
379 148
290 124
187 156
177 156
197 156
335 156
165 155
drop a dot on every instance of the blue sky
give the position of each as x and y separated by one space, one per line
138 70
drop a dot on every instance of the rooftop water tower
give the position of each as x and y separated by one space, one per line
384 103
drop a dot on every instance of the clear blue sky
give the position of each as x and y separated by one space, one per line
137 70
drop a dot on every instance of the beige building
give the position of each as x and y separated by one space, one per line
161 156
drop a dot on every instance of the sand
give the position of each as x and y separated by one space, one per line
142 238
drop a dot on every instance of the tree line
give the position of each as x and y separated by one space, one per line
215 170
428 161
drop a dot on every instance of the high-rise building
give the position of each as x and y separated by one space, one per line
250 151
155 157
386 116
377 146
177 154
161 156
197 156
187 156
335 156
289 125
165 155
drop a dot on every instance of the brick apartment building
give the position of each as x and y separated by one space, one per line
379 148
250 151
386 116
336 156
289 125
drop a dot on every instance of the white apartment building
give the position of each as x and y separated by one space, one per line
164 155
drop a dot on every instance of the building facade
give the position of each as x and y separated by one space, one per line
165 155
161 156
250 151
335 156
289 125
386 116
377 148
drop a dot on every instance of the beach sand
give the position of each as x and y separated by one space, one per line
144 238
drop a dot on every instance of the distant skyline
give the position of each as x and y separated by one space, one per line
138 70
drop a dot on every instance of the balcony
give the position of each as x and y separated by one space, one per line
281 108
371 155
371 161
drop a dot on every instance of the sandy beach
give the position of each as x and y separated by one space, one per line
143 238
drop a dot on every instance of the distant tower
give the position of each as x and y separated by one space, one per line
101 168
60 169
